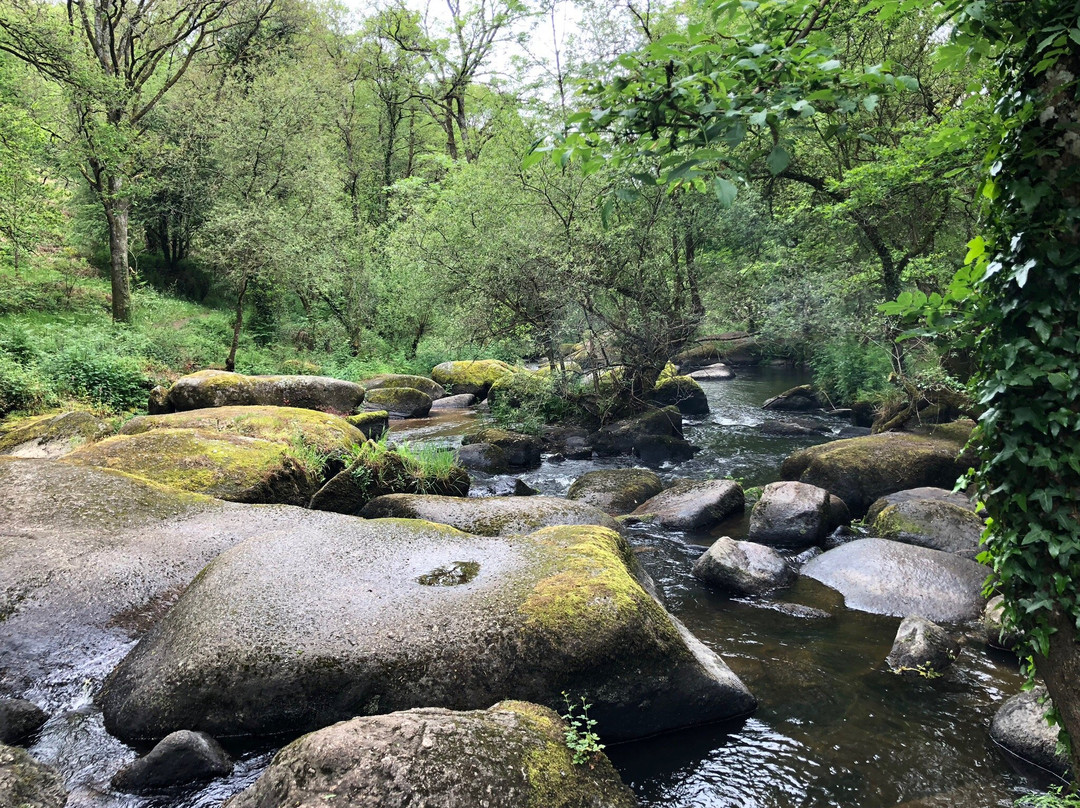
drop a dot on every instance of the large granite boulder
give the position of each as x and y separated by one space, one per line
694 504
462 401
513 755
682 392
374 424
19 721
219 388
743 567
713 373
519 449
923 494
474 376
792 516
798 399
488 516
220 464
887 577
324 433
180 758
859 470
287 633
615 491
400 402
51 436
485 457
921 648
626 436
433 389
940 525
25 783
1020 726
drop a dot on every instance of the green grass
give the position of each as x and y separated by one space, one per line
401 468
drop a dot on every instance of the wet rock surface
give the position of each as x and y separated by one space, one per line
694 505
743 568
25 783
513 753
1020 726
287 633
616 491
791 516
488 516
219 388
19 721
180 758
921 648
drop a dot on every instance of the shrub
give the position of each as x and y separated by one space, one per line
18 344
21 387
115 382
848 370
524 402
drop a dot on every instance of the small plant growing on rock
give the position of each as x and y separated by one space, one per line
581 740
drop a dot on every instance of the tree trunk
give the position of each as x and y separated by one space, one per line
1060 670
117 209
238 323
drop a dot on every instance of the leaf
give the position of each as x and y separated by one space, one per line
976 249
870 102
758 118
832 64
778 159
725 191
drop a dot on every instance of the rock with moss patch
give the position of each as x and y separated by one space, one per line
682 392
287 633
462 401
1020 726
51 436
655 436
219 388
19 721
926 493
792 516
400 402
431 388
475 376
489 516
695 505
859 470
373 424
520 449
887 577
157 403
218 464
180 758
921 648
733 348
25 783
798 399
743 567
998 634
615 491
439 759
932 523
369 477
485 457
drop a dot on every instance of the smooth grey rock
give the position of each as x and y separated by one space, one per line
694 505
290 633
218 388
993 621
921 648
486 457
488 516
19 720
1020 726
839 515
615 491
790 515
743 567
934 523
431 388
519 449
439 759
459 402
25 783
180 758
399 402
919 495
713 373
887 577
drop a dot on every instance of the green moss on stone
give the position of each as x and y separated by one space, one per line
474 377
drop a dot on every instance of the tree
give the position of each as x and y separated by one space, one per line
117 61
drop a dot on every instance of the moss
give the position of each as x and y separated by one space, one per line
75 427
373 424
402 400
390 380
474 377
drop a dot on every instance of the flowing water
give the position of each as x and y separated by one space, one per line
834 728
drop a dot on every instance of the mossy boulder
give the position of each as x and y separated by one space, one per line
489 516
615 491
1020 726
732 348
219 388
290 426
400 402
859 470
441 759
286 633
630 435
431 388
373 424
470 376
520 449
923 494
694 505
370 476
25 783
51 436
798 399
931 523
485 457
218 464
887 577
682 392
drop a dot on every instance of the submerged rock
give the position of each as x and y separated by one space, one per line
859 470
792 428
519 449
401 402
432 389
887 577
615 491
790 515
19 721
180 758
289 633
219 388
218 464
921 648
1020 726
25 783
694 504
513 755
51 436
682 392
743 568
940 525
489 516
475 377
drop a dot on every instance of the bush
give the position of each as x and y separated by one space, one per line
18 345
115 382
21 387
524 402
848 370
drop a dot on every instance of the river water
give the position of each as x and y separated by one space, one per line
834 728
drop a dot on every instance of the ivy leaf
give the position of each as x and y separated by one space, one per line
778 160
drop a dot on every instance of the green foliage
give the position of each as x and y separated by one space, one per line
525 402
581 740
116 382
383 468
1056 797
21 387
850 370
